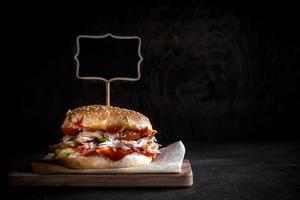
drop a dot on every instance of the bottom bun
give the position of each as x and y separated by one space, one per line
99 162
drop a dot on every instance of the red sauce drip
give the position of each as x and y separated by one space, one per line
70 131
115 155
113 129
133 135
149 154
73 131
85 152
110 153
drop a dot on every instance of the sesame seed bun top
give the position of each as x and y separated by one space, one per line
105 118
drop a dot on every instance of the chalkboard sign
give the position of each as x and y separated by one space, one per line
108 58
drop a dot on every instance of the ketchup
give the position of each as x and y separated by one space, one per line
70 131
73 131
85 152
118 154
113 154
113 129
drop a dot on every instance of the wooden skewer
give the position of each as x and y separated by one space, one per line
107 93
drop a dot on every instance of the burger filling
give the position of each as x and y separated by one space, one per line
114 146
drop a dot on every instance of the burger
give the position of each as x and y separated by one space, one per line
98 136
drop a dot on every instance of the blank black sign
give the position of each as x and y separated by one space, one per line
108 57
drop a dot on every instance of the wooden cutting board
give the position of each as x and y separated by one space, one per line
182 179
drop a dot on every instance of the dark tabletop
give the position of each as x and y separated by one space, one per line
221 171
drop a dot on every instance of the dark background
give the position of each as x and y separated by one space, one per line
210 72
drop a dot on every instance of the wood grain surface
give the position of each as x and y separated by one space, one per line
183 179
